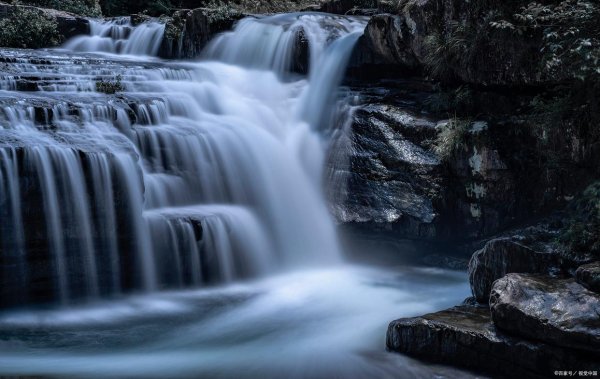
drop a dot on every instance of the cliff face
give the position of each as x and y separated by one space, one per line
506 114
511 135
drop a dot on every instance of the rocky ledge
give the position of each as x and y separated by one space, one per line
540 318
558 312
466 336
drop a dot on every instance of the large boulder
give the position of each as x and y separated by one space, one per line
505 255
382 177
188 31
558 312
385 42
589 276
466 336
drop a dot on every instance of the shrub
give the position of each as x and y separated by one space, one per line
28 28
451 137
571 35
110 87
82 7
581 235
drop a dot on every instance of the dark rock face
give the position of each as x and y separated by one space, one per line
386 175
70 26
558 312
466 336
188 31
506 255
385 43
589 276
414 37
382 175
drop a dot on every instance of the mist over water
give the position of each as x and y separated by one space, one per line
184 228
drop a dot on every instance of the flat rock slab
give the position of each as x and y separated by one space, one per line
465 336
556 311
589 276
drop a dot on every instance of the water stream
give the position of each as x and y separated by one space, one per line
178 227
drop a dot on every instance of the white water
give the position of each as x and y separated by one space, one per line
119 36
311 324
198 174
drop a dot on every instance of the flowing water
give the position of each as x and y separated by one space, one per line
178 227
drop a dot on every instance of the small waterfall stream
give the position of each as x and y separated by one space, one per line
119 36
196 173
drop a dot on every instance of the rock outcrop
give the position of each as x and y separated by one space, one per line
478 42
188 31
505 255
382 175
557 312
466 336
589 276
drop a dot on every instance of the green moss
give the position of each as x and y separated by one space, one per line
110 87
28 28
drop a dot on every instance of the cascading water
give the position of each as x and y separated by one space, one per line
119 36
197 173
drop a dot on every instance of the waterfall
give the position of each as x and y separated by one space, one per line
119 36
198 173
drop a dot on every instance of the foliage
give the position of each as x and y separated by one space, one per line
221 10
110 87
571 35
173 26
451 137
81 7
124 7
443 52
568 112
581 235
28 28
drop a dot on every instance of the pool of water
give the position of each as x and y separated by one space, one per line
310 324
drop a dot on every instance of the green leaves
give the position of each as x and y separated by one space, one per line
110 87
28 29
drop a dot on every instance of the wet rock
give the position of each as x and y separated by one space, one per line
589 276
558 312
382 175
385 43
505 255
188 31
139 18
466 336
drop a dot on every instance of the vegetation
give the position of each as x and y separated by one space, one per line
451 137
570 34
82 7
444 53
110 87
581 235
28 28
